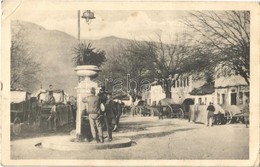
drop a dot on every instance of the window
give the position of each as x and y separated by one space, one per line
187 81
223 98
177 83
233 98
218 98
240 94
200 100
184 82
173 84
205 100
247 97
180 82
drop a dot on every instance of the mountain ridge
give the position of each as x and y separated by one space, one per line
53 50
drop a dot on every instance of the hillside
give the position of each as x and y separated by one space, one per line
53 50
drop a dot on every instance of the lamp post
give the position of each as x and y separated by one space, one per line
82 88
88 16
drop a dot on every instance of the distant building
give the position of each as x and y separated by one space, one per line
231 90
180 88
188 87
228 89
204 94
154 94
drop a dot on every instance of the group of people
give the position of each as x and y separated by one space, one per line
102 110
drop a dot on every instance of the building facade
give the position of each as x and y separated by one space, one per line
226 90
231 90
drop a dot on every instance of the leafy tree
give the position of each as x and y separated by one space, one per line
226 35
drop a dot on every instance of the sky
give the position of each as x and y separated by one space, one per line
139 25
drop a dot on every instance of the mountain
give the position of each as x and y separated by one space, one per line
107 43
53 50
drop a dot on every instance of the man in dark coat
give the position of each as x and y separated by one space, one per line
117 113
210 110
103 98
109 115
93 109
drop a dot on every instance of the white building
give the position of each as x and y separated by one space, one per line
183 86
154 95
231 90
203 95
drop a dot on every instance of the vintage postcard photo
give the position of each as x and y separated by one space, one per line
130 83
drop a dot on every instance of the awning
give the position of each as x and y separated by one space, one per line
18 96
166 101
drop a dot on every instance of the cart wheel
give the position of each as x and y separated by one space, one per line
228 117
168 109
242 120
180 114
17 126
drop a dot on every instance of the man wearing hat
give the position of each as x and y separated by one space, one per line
109 115
93 109
210 116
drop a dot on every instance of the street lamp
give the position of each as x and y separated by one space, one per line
88 16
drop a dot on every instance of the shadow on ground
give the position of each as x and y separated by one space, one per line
149 128
158 134
27 133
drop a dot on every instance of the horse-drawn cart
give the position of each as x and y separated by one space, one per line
49 99
20 110
167 108
230 114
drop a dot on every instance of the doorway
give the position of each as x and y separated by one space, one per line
233 98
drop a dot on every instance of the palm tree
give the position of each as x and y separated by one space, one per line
85 54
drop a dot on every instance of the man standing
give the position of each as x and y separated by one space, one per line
93 109
210 110
117 113
52 120
109 115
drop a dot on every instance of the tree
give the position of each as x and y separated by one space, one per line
174 59
140 58
24 68
226 36
133 58
153 60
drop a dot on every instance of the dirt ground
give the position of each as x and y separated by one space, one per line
168 139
